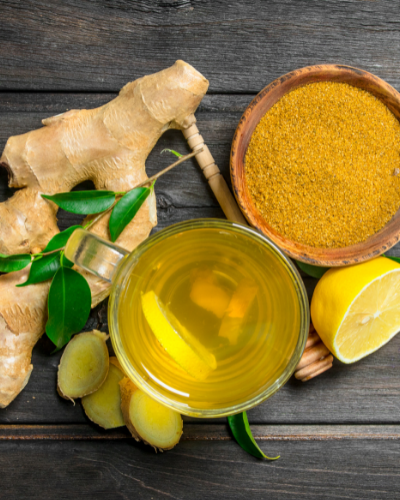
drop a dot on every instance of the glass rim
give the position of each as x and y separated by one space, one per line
122 275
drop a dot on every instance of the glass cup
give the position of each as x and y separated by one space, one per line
117 266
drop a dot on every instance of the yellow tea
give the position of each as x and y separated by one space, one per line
208 317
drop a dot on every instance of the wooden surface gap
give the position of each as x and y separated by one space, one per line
207 432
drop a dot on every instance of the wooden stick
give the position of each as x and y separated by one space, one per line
213 175
316 358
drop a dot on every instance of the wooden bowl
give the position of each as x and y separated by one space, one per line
374 245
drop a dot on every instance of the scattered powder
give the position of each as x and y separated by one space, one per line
322 165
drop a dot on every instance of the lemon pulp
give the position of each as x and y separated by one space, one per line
185 349
356 309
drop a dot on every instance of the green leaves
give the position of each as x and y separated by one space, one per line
68 305
314 271
44 267
126 209
60 239
241 431
10 263
83 202
172 151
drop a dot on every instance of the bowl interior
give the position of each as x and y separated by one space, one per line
374 245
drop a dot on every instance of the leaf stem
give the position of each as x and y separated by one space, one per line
49 253
167 169
151 180
118 194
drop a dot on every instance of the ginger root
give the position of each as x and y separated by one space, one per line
148 420
103 407
108 145
207 293
84 365
239 306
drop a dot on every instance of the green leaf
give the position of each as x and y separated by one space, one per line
172 151
83 202
68 305
396 259
60 239
10 263
43 269
241 431
126 209
64 261
314 271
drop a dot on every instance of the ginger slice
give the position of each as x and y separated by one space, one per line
103 407
148 420
237 310
84 365
207 294
181 345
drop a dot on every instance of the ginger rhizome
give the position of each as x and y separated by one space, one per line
107 145
148 420
84 365
103 407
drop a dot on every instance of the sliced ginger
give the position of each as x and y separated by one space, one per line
103 407
180 344
237 310
84 365
148 420
206 292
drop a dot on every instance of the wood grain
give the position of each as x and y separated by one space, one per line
346 394
206 432
338 436
330 469
240 46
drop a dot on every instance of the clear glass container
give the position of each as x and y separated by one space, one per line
115 265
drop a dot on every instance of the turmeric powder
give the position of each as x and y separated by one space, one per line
321 165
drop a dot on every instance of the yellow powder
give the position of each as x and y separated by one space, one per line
323 164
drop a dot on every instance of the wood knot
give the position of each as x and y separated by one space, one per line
316 358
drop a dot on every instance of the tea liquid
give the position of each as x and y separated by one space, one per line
227 292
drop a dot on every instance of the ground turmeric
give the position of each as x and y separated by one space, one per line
321 165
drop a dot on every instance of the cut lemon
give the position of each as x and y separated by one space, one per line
181 345
356 309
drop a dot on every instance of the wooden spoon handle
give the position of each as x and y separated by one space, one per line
213 175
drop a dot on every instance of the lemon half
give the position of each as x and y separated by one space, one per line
181 345
356 309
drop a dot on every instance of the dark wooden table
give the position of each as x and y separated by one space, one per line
338 435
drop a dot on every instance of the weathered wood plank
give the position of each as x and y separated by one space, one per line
344 394
239 46
366 392
357 469
206 432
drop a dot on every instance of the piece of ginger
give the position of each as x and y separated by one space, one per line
107 145
237 310
103 407
148 420
84 365
207 294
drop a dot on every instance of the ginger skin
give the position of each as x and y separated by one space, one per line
108 145
147 420
103 407
83 366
